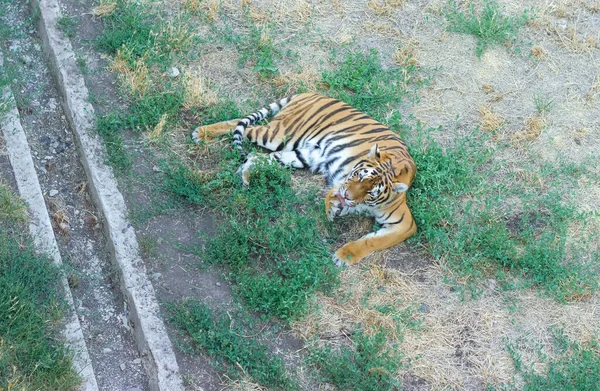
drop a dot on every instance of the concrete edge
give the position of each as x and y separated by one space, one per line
40 228
149 330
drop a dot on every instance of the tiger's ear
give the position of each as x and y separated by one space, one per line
399 187
374 152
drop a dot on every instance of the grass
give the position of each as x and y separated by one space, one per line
276 257
490 26
464 219
575 367
543 103
228 345
32 354
369 365
361 81
67 25
12 209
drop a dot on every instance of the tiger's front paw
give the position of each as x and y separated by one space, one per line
349 254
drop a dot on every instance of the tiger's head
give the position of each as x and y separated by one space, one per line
371 182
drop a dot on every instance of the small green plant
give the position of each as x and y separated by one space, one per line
370 365
11 208
490 26
227 344
67 25
543 103
575 368
82 65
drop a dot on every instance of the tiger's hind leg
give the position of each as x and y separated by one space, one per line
204 133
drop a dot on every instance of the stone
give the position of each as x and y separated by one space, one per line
173 72
106 350
122 366
137 361
26 59
53 193
156 276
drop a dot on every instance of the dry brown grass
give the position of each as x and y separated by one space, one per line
531 130
158 129
293 81
105 8
538 52
405 55
489 120
198 94
137 79
384 7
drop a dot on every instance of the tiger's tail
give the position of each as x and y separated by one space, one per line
238 133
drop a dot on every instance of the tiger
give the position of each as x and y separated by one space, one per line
367 167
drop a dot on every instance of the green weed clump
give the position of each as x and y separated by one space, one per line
12 209
463 219
490 26
576 367
269 237
369 365
227 345
32 355
361 81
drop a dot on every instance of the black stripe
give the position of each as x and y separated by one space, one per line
399 221
301 158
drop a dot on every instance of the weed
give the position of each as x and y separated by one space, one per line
82 65
362 82
109 127
148 246
227 344
11 208
490 27
543 103
67 25
576 367
462 219
32 355
370 365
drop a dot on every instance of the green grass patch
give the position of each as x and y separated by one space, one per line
32 354
269 238
576 366
12 209
369 365
361 81
228 345
67 25
490 26
459 203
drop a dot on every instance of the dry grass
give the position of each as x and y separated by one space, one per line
198 94
530 132
157 132
137 79
405 55
385 7
460 344
489 120
538 52
105 8
294 81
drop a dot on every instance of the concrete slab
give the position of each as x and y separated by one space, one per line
40 228
154 345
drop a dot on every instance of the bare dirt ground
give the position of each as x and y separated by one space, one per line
460 344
